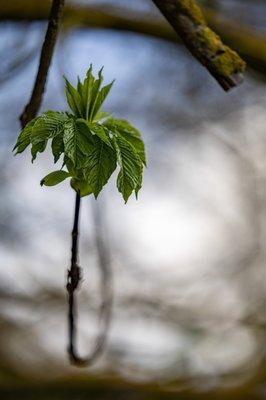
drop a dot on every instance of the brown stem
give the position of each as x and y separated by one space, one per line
34 104
73 280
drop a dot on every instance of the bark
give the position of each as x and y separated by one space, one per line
224 64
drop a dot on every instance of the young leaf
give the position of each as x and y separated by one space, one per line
36 148
57 146
101 163
79 87
101 132
78 144
127 131
101 96
91 141
94 94
54 178
96 129
130 174
74 99
48 125
102 117
23 140
87 91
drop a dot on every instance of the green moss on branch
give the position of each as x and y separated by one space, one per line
186 18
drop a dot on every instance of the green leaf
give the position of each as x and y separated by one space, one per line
87 91
102 117
86 100
47 126
37 148
96 129
79 86
130 175
130 133
101 164
23 140
94 94
78 142
54 178
57 146
70 166
74 99
99 100
101 132
91 141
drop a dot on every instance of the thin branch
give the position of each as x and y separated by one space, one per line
224 64
34 104
73 280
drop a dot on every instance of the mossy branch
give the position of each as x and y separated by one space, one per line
249 44
186 18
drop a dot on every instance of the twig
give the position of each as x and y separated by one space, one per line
74 278
34 104
186 18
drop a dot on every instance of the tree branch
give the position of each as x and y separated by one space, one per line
250 44
188 21
34 104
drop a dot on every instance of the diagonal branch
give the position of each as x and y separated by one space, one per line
249 43
186 18
34 104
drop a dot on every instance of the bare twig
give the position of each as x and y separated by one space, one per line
34 104
186 18
74 278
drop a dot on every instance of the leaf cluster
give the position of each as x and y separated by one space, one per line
90 142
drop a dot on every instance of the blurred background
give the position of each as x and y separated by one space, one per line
188 258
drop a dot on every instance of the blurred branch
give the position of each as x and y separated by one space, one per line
17 54
186 18
106 289
250 45
74 279
33 106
